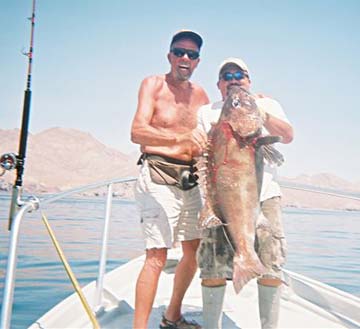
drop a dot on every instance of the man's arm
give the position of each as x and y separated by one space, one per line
275 120
278 127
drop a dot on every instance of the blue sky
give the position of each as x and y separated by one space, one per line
90 57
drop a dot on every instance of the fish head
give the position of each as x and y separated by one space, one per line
241 112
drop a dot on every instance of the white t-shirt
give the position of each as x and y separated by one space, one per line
209 114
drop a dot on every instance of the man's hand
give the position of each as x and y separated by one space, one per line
197 141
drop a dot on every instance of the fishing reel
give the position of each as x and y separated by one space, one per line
188 180
8 161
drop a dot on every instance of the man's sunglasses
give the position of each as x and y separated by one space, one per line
238 75
180 52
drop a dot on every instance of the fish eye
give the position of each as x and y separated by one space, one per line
236 103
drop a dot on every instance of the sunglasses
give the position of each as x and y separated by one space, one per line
180 52
227 76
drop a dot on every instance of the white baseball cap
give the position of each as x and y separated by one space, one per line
237 61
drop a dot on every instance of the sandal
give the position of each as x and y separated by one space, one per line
182 323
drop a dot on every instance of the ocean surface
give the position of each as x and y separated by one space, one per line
323 245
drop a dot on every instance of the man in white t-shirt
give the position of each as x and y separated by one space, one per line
215 255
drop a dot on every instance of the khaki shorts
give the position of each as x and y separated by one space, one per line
215 254
168 214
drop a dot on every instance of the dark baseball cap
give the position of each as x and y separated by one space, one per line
187 34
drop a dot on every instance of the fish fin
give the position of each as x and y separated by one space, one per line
212 221
272 155
243 273
268 139
207 217
259 165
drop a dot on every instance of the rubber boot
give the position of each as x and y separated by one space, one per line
213 300
269 306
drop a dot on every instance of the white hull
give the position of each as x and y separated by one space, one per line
305 303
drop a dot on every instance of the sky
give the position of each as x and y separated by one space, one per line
91 56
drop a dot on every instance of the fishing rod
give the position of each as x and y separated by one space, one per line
11 161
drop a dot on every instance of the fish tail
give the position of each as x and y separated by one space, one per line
243 272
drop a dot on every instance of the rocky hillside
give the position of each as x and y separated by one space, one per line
324 180
59 159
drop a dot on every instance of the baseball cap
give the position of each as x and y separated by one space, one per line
187 34
233 60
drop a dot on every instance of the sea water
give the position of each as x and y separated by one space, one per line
323 245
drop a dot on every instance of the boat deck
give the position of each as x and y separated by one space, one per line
240 311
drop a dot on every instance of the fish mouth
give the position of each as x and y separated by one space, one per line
246 133
254 118
247 126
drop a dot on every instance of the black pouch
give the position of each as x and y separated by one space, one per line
167 171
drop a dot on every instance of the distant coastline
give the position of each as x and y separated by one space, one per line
59 159
290 199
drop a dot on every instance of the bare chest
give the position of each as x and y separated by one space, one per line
175 112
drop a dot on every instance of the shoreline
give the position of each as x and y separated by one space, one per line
292 199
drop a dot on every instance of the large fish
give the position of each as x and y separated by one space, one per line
234 171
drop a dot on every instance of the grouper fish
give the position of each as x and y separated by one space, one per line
234 171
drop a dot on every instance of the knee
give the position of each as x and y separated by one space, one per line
190 262
190 247
156 260
269 281
189 252
213 282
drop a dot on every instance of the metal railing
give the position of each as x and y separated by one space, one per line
33 203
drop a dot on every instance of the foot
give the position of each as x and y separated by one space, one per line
182 323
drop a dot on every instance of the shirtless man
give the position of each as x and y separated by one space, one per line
169 200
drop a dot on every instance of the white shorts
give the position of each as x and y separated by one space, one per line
168 214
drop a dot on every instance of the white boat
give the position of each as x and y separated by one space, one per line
109 301
305 303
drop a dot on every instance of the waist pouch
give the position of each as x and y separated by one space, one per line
168 171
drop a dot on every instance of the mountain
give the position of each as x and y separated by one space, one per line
62 158
324 180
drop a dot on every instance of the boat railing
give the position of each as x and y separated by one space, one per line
32 204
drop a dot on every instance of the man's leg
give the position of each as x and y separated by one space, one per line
213 293
272 252
184 274
147 284
215 257
269 302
